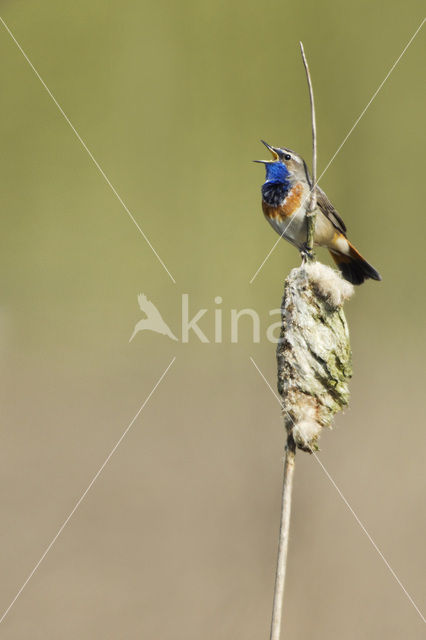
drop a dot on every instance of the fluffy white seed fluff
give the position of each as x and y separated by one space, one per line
329 284
314 357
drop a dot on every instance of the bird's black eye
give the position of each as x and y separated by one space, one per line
287 156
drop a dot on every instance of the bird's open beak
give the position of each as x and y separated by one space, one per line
273 152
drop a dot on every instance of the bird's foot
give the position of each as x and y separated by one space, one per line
307 254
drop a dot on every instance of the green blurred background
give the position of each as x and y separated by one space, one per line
177 539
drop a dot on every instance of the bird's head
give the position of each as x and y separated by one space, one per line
285 165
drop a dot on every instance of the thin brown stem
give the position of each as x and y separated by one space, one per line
310 212
277 609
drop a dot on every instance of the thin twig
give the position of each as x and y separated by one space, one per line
290 450
310 212
277 609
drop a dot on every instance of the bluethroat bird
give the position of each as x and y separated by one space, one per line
285 199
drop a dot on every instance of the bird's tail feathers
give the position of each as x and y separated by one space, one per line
354 267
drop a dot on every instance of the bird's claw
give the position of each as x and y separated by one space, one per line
307 253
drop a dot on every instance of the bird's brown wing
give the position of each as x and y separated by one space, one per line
329 211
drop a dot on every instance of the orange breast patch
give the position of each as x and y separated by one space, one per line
272 213
292 201
291 204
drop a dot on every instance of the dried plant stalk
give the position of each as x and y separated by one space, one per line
313 355
314 361
311 209
290 453
314 366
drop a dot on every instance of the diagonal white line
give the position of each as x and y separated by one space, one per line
347 503
267 383
373 96
84 494
273 249
345 138
369 537
90 154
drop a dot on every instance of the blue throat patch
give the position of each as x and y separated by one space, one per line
277 172
277 184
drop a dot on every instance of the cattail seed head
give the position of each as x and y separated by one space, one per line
313 354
